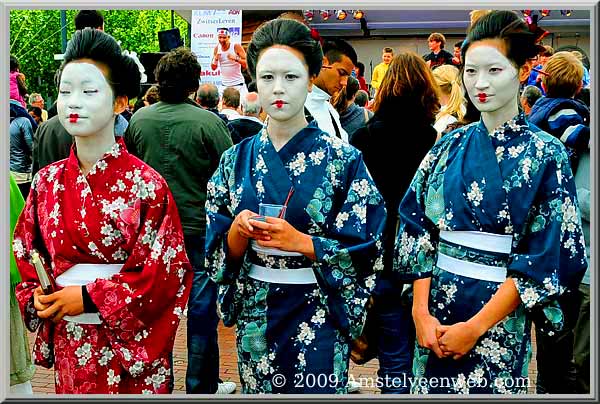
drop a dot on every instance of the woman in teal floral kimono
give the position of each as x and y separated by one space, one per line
490 229
294 287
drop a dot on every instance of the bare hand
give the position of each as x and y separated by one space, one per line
39 306
284 236
426 326
232 57
245 229
457 339
67 301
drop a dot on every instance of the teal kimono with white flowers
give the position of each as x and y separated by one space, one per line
481 208
294 337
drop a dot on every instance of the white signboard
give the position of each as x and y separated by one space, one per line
204 37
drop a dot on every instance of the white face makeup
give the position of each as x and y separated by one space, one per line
85 101
282 82
490 79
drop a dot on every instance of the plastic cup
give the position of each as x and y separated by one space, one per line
270 210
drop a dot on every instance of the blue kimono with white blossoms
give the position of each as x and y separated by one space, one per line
294 338
516 181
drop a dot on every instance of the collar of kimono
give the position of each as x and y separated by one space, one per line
115 150
508 129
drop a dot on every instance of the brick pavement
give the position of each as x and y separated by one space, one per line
43 382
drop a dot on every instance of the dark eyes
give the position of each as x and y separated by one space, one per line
492 70
288 76
66 92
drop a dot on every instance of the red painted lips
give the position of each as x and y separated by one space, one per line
73 118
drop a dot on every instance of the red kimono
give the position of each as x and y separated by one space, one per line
121 212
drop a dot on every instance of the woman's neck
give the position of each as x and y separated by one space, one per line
91 148
494 119
280 132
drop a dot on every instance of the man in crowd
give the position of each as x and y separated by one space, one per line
184 143
249 124
207 97
36 100
36 114
231 60
535 79
438 55
529 96
89 18
379 71
456 60
339 58
231 103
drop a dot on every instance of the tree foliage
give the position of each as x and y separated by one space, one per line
35 37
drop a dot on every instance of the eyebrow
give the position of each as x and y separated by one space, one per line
86 81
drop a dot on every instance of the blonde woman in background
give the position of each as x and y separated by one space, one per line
451 95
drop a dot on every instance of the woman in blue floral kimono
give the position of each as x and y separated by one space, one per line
295 288
490 229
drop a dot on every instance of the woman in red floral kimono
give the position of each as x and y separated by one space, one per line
106 229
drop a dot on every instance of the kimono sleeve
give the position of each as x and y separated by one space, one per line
550 257
415 249
27 238
141 306
350 253
221 201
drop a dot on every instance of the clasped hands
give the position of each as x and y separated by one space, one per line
274 233
65 302
454 340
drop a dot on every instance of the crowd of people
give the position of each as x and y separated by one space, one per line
443 218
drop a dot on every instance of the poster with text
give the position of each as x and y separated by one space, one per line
204 37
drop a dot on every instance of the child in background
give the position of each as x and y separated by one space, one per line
559 113
18 90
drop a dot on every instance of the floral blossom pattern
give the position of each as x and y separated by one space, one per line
70 218
515 181
297 329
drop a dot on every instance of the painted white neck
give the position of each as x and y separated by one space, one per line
280 132
91 148
494 119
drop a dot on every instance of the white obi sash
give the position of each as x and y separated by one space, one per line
82 274
497 243
278 275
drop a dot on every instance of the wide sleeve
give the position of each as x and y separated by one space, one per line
221 201
415 249
349 255
26 240
142 305
550 256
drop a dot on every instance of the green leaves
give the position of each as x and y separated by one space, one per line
35 37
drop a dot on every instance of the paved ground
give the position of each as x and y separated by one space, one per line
43 382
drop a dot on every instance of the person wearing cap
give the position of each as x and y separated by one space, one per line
231 59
